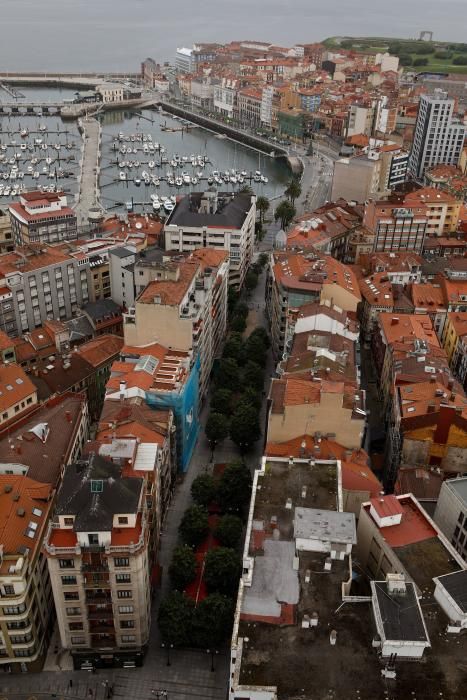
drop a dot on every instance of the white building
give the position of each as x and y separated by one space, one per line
184 60
266 105
215 220
451 513
438 137
98 558
111 92
122 284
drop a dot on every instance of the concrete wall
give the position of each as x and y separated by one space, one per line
159 324
329 416
339 296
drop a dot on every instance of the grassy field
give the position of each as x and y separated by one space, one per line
374 45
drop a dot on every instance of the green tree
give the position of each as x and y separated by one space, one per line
233 345
251 280
262 333
175 619
262 205
253 376
293 190
460 61
425 48
263 259
234 490
221 400
251 397
232 299
405 59
217 429
242 310
443 55
194 526
244 428
228 375
255 350
229 530
212 621
420 62
284 213
203 489
246 189
183 567
238 324
222 570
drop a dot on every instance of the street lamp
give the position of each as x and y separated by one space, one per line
212 652
159 694
168 647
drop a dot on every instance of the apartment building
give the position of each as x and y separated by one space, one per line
98 562
39 282
451 513
215 220
396 225
42 217
454 341
442 209
32 461
249 102
326 229
7 242
187 312
439 137
111 92
295 279
18 395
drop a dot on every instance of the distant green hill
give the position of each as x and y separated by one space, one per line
435 56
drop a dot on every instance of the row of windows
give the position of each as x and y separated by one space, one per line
72 580
119 562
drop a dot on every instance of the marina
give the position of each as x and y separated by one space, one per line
143 158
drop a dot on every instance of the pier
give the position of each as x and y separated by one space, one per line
88 192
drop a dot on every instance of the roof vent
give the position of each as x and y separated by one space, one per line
21 512
8 488
16 497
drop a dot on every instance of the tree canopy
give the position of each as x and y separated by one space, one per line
244 428
228 375
175 619
229 530
262 205
221 400
293 190
212 621
203 489
253 376
183 567
222 570
217 428
194 525
234 489
284 213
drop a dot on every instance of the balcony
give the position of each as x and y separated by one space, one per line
98 597
102 627
91 567
96 581
104 641
101 614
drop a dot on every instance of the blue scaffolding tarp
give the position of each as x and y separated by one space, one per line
184 405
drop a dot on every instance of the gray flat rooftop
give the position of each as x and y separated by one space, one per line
459 487
456 586
400 614
231 211
325 525
274 581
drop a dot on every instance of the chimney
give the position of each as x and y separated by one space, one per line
122 390
68 416
453 396
450 383
394 321
431 408
432 379
18 449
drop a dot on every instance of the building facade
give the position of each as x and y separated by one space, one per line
42 217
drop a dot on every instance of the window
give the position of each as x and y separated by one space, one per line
93 539
66 563
73 611
9 590
68 521
127 624
124 594
71 595
77 640
121 561
125 609
14 609
123 578
460 519
122 520
23 652
69 580
75 626
128 637
21 638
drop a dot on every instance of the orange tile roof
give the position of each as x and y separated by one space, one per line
25 494
427 296
15 386
415 399
402 327
429 195
298 271
101 349
5 341
170 292
31 257
414 527
209 257
377 290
